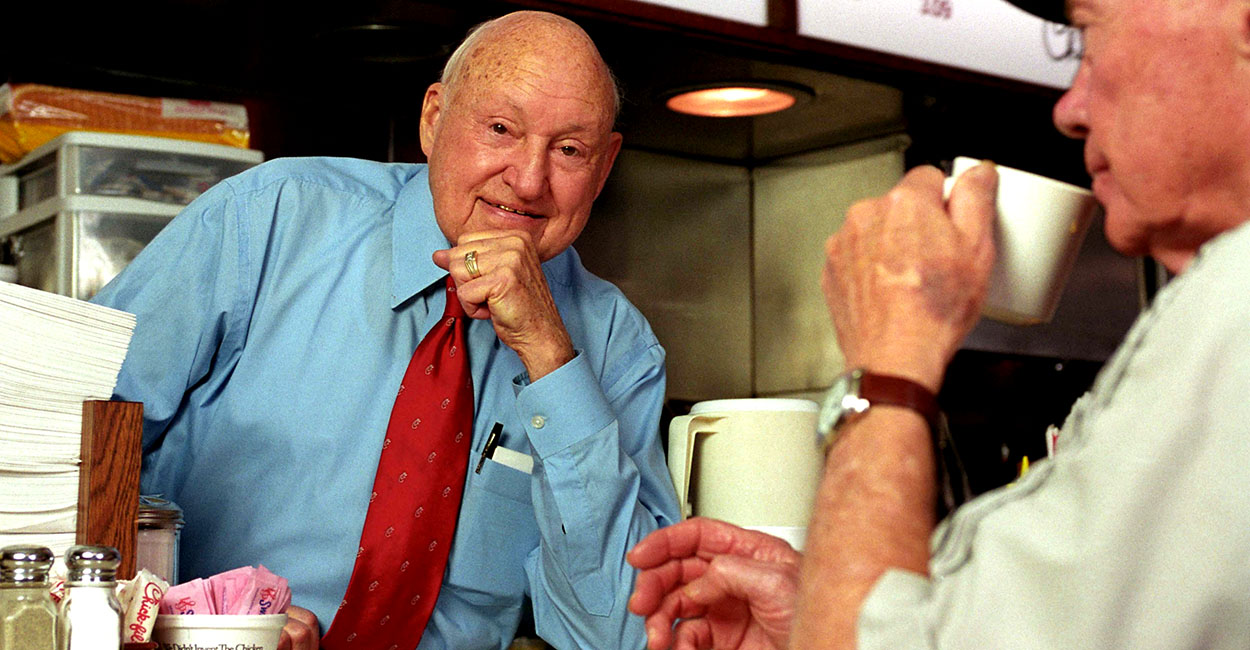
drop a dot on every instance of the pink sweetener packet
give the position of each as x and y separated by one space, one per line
272 593
233 591
188 598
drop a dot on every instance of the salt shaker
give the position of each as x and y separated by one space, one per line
27 614
90 616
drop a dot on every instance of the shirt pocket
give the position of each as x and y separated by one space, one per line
495 534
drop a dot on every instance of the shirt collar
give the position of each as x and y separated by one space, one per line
415 236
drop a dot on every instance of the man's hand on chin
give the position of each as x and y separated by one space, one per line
503 281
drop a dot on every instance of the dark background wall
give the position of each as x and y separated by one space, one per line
346 78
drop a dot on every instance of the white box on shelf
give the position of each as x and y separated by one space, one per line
74 245
93 163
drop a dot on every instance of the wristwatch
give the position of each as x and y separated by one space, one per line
857 390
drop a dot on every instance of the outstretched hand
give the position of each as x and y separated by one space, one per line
729 587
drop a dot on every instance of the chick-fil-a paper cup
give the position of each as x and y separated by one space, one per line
216 631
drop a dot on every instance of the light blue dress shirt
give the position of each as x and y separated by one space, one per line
276 316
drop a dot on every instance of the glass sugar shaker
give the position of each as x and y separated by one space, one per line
156 547
90 616
27 614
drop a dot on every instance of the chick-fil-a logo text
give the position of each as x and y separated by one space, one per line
151 598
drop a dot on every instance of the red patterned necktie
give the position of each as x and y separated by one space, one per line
416 497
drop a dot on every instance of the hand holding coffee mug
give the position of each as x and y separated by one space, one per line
1039 230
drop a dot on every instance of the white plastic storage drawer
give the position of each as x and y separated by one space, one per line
116 165
74 245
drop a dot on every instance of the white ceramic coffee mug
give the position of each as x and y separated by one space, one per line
1040 227
751 462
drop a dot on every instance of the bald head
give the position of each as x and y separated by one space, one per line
496 49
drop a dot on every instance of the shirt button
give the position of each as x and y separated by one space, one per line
538 421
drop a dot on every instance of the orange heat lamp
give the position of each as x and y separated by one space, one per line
735 99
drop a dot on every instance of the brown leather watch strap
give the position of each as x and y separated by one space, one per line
899 391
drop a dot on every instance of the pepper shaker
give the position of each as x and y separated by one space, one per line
90 616
27 614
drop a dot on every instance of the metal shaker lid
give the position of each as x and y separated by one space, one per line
25 563
157 512
92 563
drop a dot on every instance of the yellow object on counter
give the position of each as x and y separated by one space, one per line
1024 469
32 114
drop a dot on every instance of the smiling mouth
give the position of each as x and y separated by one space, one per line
505 208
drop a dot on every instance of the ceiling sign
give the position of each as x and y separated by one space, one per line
751 12
986 36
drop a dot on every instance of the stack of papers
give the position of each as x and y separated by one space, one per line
55 353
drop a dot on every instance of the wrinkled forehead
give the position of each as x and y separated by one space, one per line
530 51
526 87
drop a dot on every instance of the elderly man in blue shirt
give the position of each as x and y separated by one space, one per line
278 312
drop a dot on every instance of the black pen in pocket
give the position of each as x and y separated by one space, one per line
488 450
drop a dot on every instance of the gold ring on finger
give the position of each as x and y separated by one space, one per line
470 264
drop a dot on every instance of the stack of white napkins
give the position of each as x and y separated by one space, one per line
55 353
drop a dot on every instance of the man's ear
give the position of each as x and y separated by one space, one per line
431 110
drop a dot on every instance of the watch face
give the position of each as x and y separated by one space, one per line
833 408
